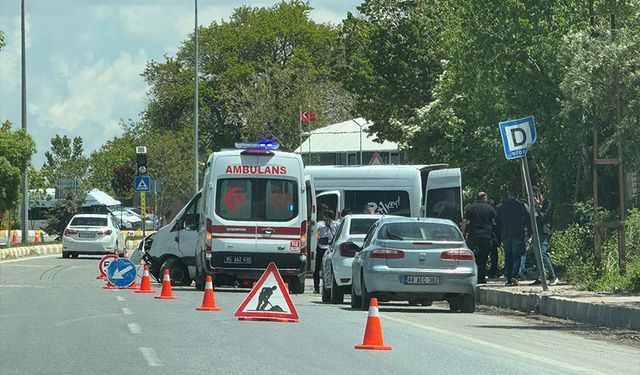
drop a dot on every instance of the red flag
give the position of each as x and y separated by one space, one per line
312 116
304 117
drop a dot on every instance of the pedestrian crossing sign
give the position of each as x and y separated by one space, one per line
269 299
142 184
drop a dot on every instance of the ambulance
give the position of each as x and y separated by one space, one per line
257 207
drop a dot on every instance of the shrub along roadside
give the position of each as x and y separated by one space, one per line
572 253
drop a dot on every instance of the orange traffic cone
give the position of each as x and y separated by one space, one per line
109 285
208 300
145 285
373 331
36 238
165 293
133 286
14 238
101 277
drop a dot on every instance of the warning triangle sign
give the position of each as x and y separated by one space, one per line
268 300
142 185
376 159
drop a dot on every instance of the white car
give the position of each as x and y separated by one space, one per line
92 234
336 264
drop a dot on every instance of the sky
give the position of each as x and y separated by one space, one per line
85 57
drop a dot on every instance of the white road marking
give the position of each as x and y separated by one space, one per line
126 311
151 357
484 343
120 298
29 258
134 328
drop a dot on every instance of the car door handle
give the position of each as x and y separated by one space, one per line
267 231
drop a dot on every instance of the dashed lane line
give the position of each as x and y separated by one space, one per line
126 311
120 299
134 328
151 357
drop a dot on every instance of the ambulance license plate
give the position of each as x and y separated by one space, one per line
238 260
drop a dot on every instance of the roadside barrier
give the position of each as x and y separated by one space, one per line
165 293
22 251
145 284
373 331
208 299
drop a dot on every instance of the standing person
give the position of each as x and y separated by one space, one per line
477 225
369 208
326 230
512 219
495 243
544 220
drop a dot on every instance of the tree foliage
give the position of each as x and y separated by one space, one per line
65 160
16 150
63 210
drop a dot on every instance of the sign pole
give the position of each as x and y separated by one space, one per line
534 224
143 210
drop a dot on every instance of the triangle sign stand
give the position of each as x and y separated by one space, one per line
268 300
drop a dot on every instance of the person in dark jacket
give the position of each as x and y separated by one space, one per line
477 225
544 220
512 220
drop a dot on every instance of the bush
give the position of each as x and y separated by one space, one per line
572 253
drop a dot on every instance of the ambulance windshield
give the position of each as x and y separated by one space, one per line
258 199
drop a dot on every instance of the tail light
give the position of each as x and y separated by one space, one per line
70 232
348 249
208 235
303 237
387 254
104 232
458 254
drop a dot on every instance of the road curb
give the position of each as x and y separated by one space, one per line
602 314
23 251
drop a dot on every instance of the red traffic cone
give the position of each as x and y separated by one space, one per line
14 238
373 331
165 293
145 285
133 285
36 238
208 300
101 277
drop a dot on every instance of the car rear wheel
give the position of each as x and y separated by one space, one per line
337 294
74 255
365 298
326 293
355 300
66 254
177 271
467 303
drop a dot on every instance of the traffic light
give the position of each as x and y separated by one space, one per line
141 160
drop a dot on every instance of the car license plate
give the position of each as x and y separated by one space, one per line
237 260
86 235
422 280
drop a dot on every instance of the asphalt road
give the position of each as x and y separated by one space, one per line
56 319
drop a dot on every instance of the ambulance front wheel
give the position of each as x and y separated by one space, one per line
177 271
296 286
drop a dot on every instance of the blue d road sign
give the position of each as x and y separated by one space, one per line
142 184
121 272
517 136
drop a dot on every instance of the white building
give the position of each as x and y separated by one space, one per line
344 142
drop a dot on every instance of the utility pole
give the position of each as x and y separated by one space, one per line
25 175
195 107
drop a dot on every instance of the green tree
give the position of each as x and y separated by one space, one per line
62 212
257 69
115 153
66 159
16 150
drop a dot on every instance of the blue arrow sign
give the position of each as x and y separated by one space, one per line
517 136
121 272
142 184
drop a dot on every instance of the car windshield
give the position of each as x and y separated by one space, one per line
361 226
414 230
89 221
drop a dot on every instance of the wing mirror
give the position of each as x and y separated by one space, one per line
349 249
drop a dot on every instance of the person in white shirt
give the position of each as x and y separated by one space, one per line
326 230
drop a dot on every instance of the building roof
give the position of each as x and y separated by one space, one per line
344 137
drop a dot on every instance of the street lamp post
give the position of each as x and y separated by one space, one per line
25 176
360 126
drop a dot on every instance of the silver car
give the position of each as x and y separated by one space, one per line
419 260
94 234
336 264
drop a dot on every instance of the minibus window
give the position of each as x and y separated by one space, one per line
444 204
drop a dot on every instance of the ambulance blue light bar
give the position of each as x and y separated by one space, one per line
262 145
259 148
